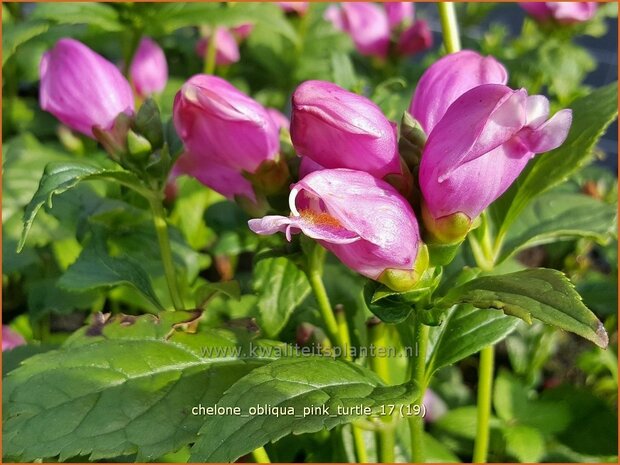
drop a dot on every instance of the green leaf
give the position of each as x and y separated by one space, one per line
60 177
281 285
342 68
541 293
592 115
464 332
514 404
168 17
14 35
296 383
593 426
559 215
95 268
394 307
11 359
207 291
45 296
129 390
524 443
94 14
389 307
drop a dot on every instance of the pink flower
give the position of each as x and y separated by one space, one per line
399 13
81 88
149 70
416 38
359 218
226 134
11 339
226 48
294 7
340 129
562 12
480 146
366 23
242 31
447 79
223 126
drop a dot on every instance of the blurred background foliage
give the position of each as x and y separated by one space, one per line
555 396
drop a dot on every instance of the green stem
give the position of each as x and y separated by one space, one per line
358 442
327 314
418 375
209 63
161 228
337 329
485 385
260 455
343 331
386 442
449 26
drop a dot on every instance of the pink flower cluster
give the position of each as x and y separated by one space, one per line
373 27
481 135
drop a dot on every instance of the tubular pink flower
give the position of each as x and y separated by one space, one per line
359 218
562 12
366 23
340 129
221 125
242 31
226 48
416 38
399 13
81 88
449 78
482 144
149 69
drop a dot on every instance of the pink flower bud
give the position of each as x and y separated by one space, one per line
11 339
149 70
340 129
449 78
366 23
242 31
562 12
294 7
416 38
81 88
226 48
399 13
360 218
480 146
221 125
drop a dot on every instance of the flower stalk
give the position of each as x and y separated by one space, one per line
485 385
449 27
418 376
161 229
386 441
